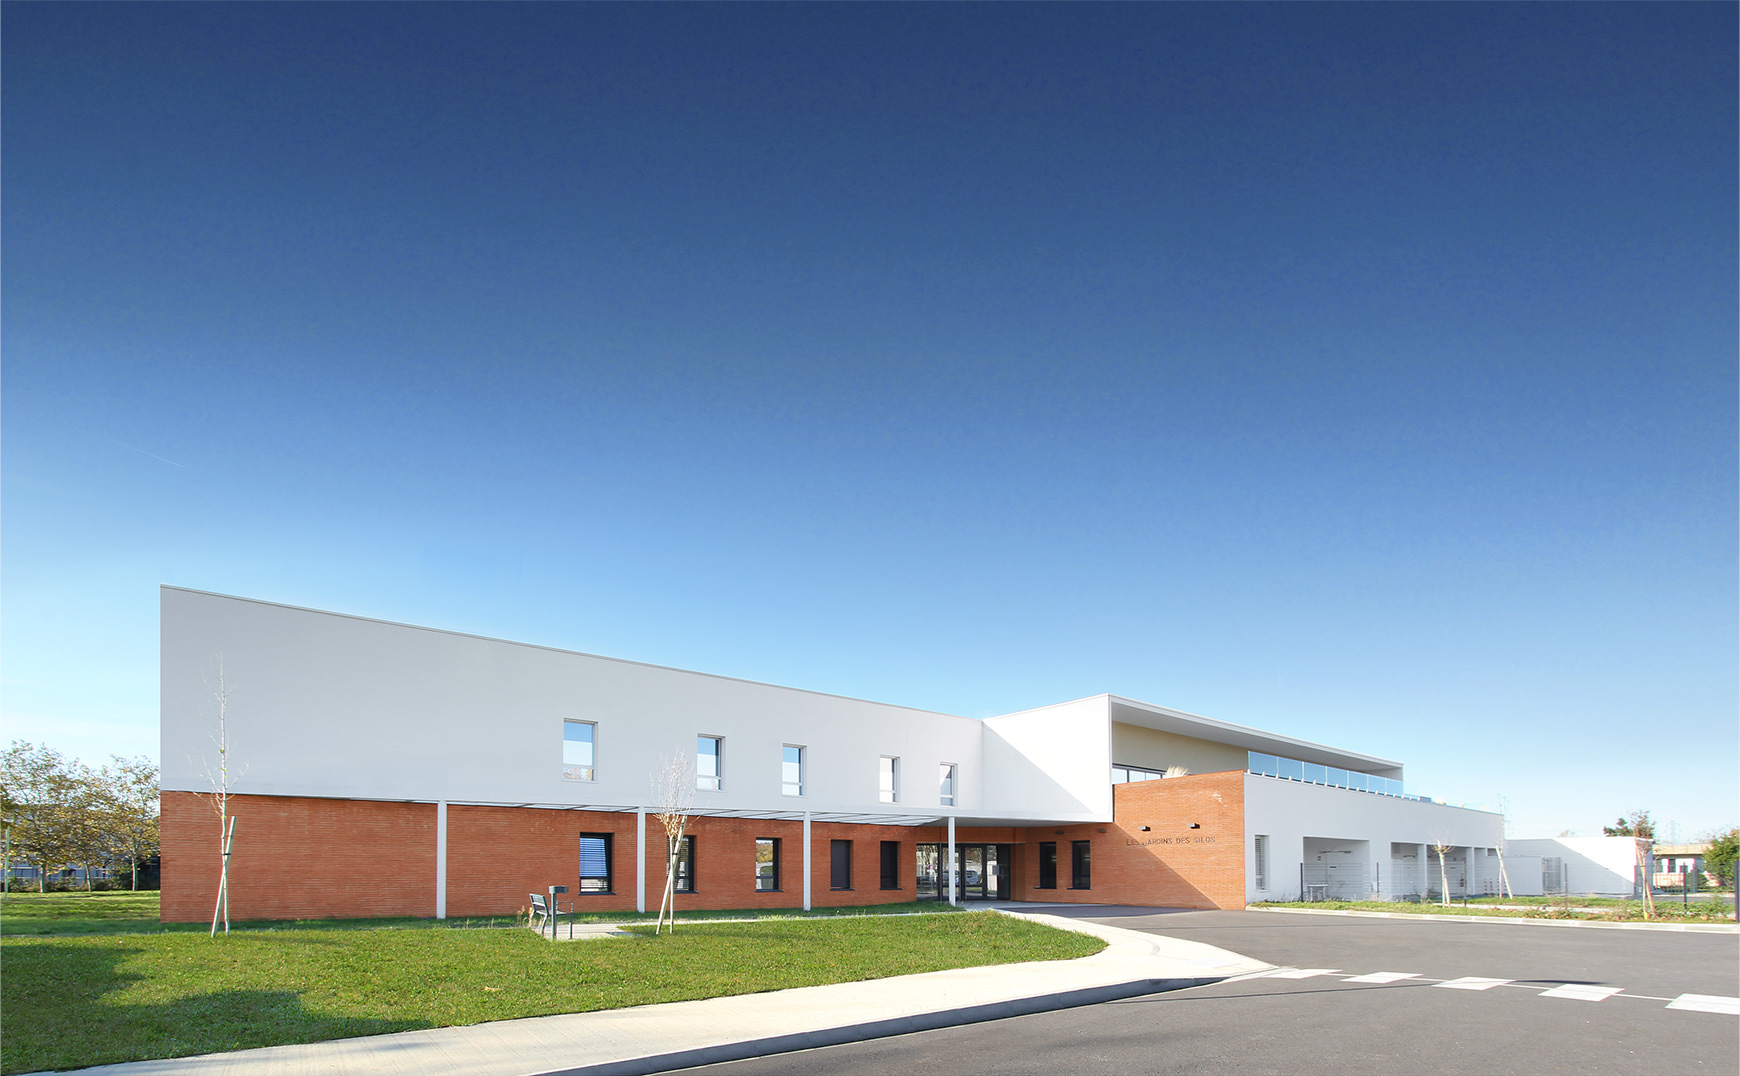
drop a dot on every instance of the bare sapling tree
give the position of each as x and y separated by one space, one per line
1503 835
674 797
219 798
1441 845
1645 850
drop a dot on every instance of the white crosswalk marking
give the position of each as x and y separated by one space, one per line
1707 1003
1472 982
1581 992
1715 1003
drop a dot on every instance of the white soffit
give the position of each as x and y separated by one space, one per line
1164 719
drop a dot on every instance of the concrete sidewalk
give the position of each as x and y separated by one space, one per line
657 1038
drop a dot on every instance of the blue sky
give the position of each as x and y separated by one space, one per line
1366 373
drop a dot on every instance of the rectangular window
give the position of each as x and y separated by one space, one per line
889 779
1047 864
946 784
709 762
1080 869
767 864
840 864
890 864
685 882
1122 774
594 862
791 770
1262 858
577 738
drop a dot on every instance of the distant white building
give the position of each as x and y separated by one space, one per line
386 769
1583 866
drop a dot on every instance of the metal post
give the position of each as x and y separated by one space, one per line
806 861
640 860
441 859
950 865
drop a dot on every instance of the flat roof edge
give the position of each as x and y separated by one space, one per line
555 650
1245 730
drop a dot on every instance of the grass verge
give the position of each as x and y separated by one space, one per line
27 914
73 1001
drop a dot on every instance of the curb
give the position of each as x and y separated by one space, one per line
1682 928
675 1035
878 1029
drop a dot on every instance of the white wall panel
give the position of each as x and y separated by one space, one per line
1053 763
1602 866
1290 811
331 705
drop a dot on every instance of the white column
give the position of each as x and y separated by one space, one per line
949 865
441 859
640 860
806 861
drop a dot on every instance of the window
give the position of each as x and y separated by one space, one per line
767 864
1047 864
889 781
577 737
1080 874
594 862
890 864
685 882
946 784
709 762
1262 858
791 770
1122 774
839 864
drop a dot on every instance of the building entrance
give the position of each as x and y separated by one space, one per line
982 871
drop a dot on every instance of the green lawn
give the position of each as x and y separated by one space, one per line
136 913
72 1000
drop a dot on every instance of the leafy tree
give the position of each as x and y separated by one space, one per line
1635 824
59 812
131 789
1719 858
45 798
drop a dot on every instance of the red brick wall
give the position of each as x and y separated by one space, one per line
313 858
1170 864
297 858
496 856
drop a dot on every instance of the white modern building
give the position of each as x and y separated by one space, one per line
1584 866
387 769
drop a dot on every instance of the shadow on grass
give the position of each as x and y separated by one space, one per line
63 1011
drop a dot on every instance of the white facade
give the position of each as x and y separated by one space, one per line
339 707
1362 846
327 705
1590 866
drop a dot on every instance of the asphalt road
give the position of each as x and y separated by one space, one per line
1322 1023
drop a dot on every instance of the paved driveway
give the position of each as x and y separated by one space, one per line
1367 996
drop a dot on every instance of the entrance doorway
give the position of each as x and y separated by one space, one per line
982 871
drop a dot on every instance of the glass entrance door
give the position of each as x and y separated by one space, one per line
982 872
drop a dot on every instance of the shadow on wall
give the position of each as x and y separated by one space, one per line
65 1009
